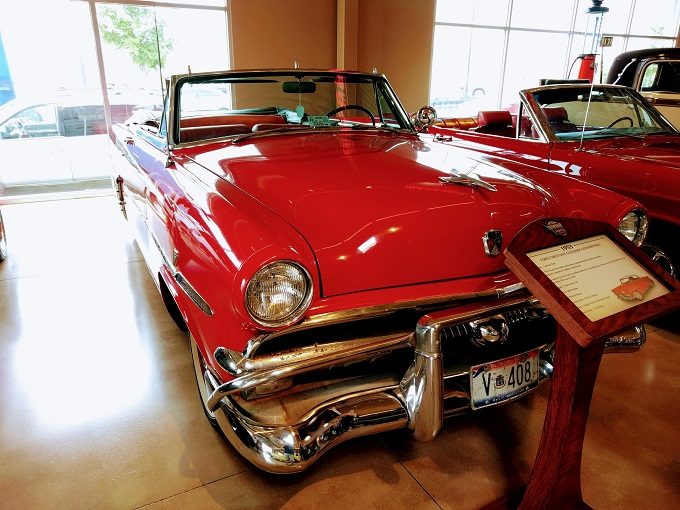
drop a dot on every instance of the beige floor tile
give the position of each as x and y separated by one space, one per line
476 459
632 451
357 475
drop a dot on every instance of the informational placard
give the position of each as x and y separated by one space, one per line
598 276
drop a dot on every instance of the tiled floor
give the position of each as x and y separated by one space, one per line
98 407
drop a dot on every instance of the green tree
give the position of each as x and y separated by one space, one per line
135 29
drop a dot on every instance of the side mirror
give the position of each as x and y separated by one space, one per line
424 118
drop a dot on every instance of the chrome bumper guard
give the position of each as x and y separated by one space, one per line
419 401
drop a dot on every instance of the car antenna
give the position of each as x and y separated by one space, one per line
585 119
158 53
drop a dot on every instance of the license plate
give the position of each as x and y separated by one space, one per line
503 380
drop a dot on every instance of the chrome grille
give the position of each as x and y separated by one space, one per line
529 327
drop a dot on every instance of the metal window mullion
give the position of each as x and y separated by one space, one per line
504 63
501 27
570 43
629 24
227 28
100 64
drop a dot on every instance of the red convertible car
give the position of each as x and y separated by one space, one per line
339 274
602 134
633 287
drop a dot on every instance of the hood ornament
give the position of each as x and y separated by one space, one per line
467 180
555 227
493 242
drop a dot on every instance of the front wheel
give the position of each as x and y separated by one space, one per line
204 389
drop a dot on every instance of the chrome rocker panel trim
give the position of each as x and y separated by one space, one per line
419 401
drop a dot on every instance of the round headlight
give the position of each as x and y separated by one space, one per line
278 294
634 226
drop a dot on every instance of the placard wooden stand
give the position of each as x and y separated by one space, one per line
555 480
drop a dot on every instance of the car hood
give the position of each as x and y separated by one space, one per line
373 208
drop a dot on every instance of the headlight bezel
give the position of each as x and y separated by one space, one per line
641 220
297 312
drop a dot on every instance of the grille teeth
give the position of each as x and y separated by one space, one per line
456 332
515 317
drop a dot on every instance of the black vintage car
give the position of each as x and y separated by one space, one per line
655 73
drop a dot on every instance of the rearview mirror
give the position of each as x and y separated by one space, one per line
299 87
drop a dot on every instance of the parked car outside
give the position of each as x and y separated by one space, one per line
59 140
339 273
609 136
655 73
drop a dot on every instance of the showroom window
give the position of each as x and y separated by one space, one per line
82 64
485 51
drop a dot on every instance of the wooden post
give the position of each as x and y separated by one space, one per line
555 480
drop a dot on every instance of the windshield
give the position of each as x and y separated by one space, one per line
575 111
241 103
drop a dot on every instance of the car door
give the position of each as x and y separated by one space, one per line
32 147
160 194
659 83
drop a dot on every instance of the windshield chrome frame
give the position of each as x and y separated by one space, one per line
528 97
178 80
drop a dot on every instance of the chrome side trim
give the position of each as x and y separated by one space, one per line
181 280
192 293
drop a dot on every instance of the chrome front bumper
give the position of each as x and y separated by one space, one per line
429 390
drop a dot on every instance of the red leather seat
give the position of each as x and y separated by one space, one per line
194 134
558 118
494 122
219 120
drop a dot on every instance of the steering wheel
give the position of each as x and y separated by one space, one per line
352 107
615 122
